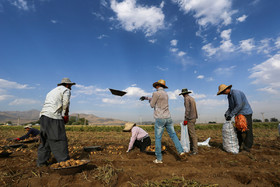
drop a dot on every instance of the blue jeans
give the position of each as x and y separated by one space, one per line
159 128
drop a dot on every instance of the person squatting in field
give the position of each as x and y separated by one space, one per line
238 104
190 119
53 118
159 102
139 137
31 132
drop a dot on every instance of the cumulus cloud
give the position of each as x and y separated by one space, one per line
18 102
113 101
5 97
209 49
181 53
225 71
242 18
133 17
136 92
267 74
22 4
88 90
152 41
208 11
200 77
173 43
5 84
265 46
277 43
247 45
172 95
173 50
102 36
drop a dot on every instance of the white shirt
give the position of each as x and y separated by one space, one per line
56 103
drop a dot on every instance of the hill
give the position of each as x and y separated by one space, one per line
23 117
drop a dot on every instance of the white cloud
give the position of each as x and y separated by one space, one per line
265 46
209 49
200 77
22 4
152 41
225 34
162 69
247 45
267 73
225 71
210 103
113 101
24 102
181 53
54 21
242 18
102 36
5 97
174 50
172 95
88 90
208 11
197 96
133 17
136 92
12 85
277 43
173 43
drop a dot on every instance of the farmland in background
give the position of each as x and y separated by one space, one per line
114 167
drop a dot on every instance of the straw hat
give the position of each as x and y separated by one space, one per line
185 91
28 126
128 126
161 82
222 88
66 81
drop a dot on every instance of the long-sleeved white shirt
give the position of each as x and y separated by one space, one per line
56 103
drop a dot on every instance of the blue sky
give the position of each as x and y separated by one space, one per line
130 44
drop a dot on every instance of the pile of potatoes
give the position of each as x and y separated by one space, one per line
3 151
68 163
152 148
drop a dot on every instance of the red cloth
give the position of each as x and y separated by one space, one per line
185 122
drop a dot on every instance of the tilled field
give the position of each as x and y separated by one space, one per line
112 166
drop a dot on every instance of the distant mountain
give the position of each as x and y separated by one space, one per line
33 115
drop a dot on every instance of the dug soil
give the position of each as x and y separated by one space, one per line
112 166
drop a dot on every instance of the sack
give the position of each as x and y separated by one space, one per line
185 139
230 141
241 123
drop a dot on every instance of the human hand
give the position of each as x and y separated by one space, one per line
16 139
65 119
185 122
143 98
228 118
127 151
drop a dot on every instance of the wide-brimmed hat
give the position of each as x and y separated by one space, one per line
161 82
185 91
66 81
28 126
222 88
128 126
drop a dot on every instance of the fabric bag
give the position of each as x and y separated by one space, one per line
230 141
185 139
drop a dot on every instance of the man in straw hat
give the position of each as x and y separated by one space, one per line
190 118
53 117
31 132
238 104
139 137
159 102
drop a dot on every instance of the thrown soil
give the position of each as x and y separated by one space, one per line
112 166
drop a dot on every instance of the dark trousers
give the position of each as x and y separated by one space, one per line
53 140
245 139
142 144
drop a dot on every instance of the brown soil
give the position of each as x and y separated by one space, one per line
114 167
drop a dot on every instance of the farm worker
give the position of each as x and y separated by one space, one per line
31 132
238 104
190 119
53 118
159 102
139 137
